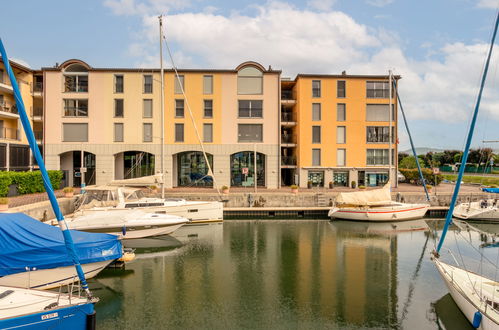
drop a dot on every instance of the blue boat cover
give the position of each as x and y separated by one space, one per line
491 190
27 242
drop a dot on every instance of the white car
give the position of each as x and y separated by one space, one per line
400 177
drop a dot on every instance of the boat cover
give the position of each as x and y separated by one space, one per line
27 242
367 197
491 190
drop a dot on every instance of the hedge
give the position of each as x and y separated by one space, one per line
27 182
412 175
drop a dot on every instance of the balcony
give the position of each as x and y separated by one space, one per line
9 133
288 118
38 135
37 113
8 110
288 139
6 87
288 161
37 89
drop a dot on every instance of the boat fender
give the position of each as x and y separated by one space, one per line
477 319
123 230
91 321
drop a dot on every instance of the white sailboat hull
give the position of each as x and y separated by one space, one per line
394 212
195 212
469 300
475 211
52 278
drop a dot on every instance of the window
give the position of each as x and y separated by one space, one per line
207 84
249 81
179 132
208 108
378 112
316 134
316 88
376 134
341 155
179 108
75 132
1 76
76 83
147 132
118 108
118 132
341 134
316 111
341 112
147 84
118 83
250 132
341 88
207 132
147 108
250 109
316 157
179 84
378 89
377 156
75 107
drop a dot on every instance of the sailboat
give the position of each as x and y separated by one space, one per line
477 296
26 308
374 205
485 209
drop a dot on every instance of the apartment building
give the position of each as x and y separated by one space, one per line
336 128
104 124
15 154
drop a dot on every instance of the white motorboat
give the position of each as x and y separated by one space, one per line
126 223
487 210
374 205
119 198
472 293
36 309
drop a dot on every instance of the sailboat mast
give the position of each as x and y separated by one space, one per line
390 137
162 108
448 219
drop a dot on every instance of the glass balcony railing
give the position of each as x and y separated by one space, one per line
288 160
9 133
10 108
288 117
288 138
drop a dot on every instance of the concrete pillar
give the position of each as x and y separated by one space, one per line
353 175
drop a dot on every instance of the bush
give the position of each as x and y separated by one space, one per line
293 186
68 189
27 182
412 175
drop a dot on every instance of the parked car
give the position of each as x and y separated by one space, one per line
400 177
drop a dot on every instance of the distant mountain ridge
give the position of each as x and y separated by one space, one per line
424 150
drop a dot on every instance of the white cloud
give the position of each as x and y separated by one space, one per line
322 5
493 4
379 3
440 88
148 7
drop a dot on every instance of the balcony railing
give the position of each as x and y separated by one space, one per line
287 95
288 138
288 117
38 87
6 107
38 135
37 112
288 160
9 133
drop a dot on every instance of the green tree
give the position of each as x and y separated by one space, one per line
409 162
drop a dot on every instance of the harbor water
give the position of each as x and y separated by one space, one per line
283 275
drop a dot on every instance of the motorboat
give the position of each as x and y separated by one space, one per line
37 309
487 209
112 198
126 223
33 254
374 205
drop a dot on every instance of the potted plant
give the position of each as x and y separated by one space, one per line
429 186
4 203
225 189
309 184
68 192
362 187
331 185
354 184
294 189
154 189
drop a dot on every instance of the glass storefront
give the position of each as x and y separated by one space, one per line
376 179
192 169
317 178
138 164
242 169
340 179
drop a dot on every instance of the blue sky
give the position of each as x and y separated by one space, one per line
438 46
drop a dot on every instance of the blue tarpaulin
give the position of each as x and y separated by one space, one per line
491 190
27 242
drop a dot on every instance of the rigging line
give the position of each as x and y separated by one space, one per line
448 219
210 170
471 245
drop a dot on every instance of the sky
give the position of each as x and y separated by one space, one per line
437 46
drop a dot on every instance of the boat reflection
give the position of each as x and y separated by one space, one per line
381 228
447 315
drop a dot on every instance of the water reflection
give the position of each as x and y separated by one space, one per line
280 275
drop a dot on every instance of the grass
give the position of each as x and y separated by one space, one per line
483 180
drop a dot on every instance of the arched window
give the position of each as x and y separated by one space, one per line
76 78
192 169
249 81
242 169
